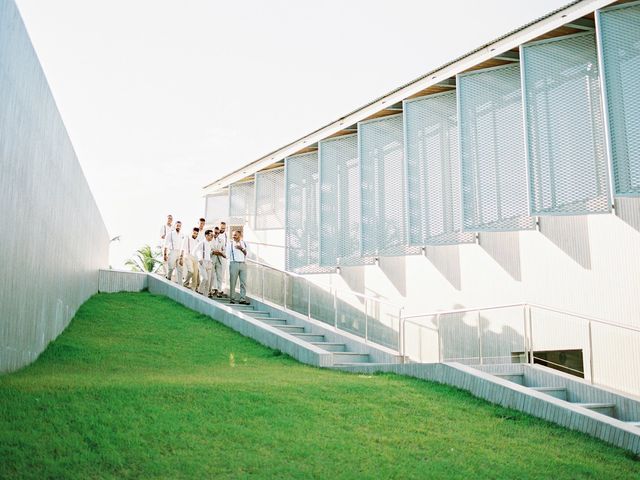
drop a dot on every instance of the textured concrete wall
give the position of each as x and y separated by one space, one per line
111 281
53 237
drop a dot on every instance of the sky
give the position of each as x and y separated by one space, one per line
162 97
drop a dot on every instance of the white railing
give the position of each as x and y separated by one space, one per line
365 316
602 352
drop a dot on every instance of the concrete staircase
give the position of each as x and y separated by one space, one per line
342 356
572 390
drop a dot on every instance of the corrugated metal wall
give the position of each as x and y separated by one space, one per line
54 239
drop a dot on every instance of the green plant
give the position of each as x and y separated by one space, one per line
145 259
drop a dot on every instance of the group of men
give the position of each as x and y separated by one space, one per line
199 259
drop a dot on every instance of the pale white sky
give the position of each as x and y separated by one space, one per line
161 97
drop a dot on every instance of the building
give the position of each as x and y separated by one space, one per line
495 200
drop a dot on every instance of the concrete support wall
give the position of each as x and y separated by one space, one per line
54 239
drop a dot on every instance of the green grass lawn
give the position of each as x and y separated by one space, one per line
139 386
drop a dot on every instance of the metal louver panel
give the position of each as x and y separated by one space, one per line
340 202
241 201
381 149
433 171
270 199
492 155
619 42
302 251
566 153
216 207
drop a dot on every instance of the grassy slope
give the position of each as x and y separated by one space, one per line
139 386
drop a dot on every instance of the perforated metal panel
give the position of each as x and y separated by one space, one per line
216 207
492 152
241 201
433 171
270 199
566 153
340 202
619 42
302 253
381 148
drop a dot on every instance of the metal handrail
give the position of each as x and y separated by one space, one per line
533 305
333 291
322 284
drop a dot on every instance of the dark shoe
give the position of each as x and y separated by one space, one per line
232 302
225 295
243 302
219 295
210 295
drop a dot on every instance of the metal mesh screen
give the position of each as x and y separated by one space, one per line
340 202
381 148
619 41
216 207
433 171
241 201
564 127
270 200
492 154
301 214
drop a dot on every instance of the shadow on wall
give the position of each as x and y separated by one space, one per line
504 248
571 235
627 209
446 259
471 338
395 269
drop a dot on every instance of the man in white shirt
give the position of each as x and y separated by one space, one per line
225 239
201 229
164 231
188 258
217 257
172 246
237 254
203 254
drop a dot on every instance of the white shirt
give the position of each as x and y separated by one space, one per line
218 244
164 230
189 245
235 255
173 240
203 250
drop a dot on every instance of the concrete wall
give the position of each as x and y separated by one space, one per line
53 237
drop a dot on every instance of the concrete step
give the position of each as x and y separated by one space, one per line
274 321
350 357
259 314
291 328
558 392
634 424
309 337
331 347
512 377
604 408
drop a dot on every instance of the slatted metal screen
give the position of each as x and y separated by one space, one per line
241 201
492 152
302 251
270 199
619 42
433 171
381 151
564 127
340 202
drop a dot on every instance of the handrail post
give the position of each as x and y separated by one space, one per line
401 336
479 339
366 320
439 338
590 353
262 270
525 336
531 359
284 299
335 308
308 299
